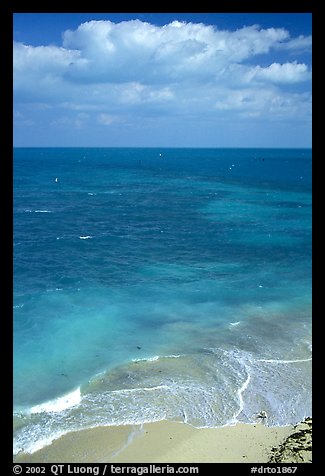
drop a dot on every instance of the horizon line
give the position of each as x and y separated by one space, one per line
148 147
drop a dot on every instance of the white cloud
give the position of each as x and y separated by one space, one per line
77 121
138 51
105 119
21 119
42 58
300 44
179 68
264 102
282 73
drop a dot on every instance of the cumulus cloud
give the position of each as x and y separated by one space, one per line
263 102
282 73
138 51
298 45
178 68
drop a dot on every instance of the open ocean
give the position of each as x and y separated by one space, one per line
156 284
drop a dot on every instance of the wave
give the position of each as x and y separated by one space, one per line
158 357
240 392
147 359
140 389
214 388
34 446
58 404
280 361
85 237
38 211
35 435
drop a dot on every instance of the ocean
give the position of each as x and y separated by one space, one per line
155 284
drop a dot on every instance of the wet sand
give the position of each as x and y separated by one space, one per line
174 442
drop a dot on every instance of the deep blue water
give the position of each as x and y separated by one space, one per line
158 283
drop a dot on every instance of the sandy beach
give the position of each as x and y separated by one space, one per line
174 442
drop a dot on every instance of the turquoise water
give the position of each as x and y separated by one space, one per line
152 284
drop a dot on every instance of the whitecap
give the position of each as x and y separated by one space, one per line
58 404
140 389
158 357
280 361
85 237
147 359
33 446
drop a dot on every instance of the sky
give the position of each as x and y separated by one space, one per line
162 79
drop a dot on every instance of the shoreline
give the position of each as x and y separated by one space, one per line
177 442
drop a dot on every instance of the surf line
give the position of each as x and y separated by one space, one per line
275 361
134 434
240 392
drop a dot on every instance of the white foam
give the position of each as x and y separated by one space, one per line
279 361
31 447
58 404
157 357
85 237
147 359
240 392
42 211
234 324
141 389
